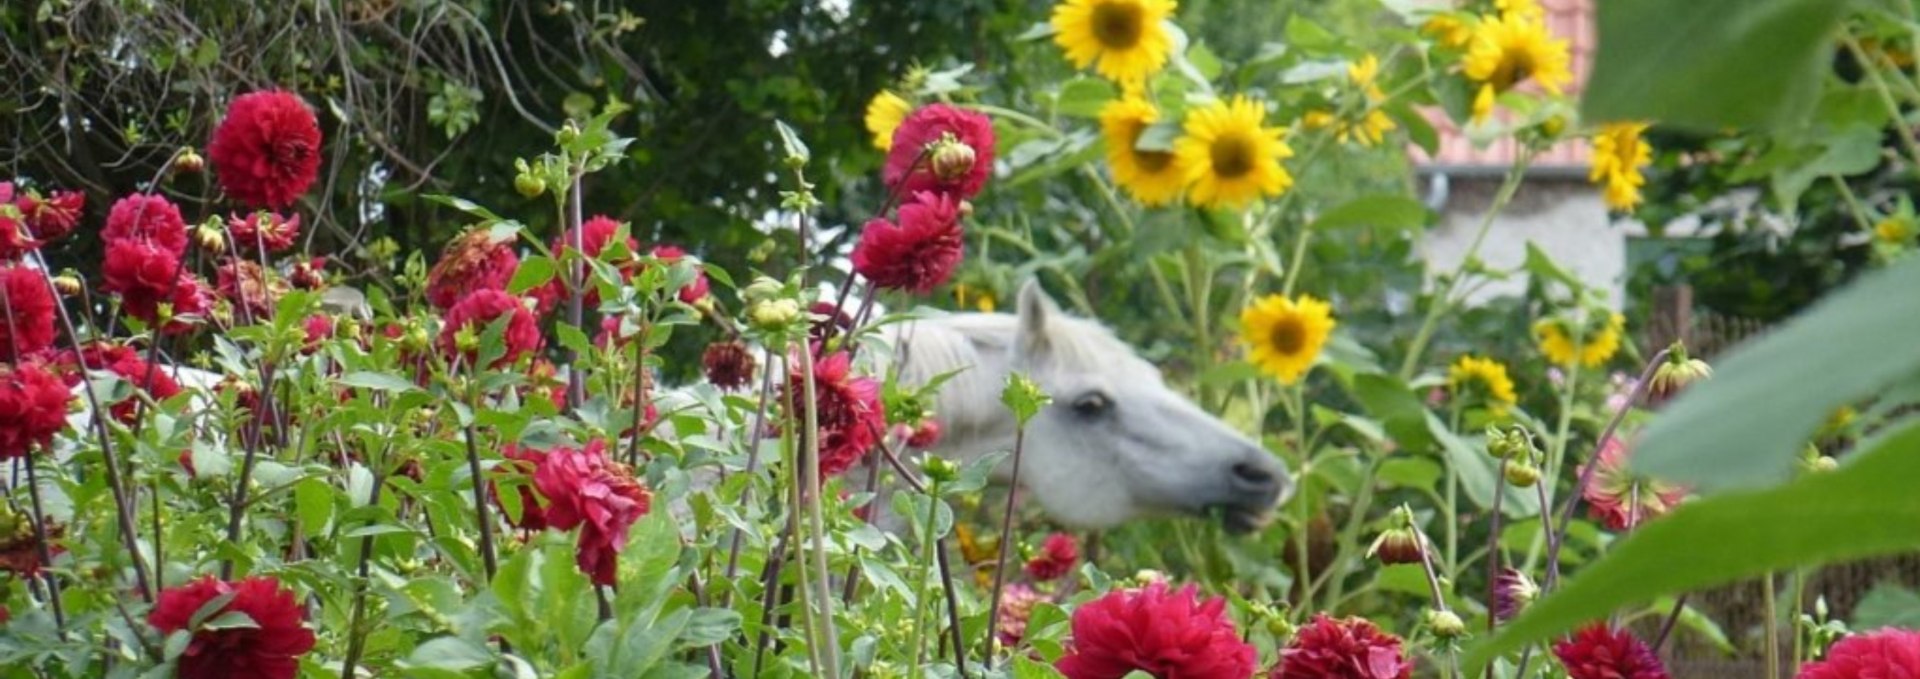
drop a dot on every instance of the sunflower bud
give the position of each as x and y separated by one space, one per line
951 159
1398 545
1446 624
211 237
67 283
188 161
1522 474
1675 374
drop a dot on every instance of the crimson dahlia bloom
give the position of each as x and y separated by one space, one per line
850 413
1597 652
1057 556
52 217
140 271
929 125
266 152
473 261
479 310
190 301
262 229
270 650
33 408
26 313
1344 648
918 254
1886 654
147 217
1619 498
1166 633
584 489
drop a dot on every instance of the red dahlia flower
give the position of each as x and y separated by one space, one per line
472 261
479 310
140 271
190 301
1165 633
26 313
917 255
1619 498
266 152
263 230
909 172
1596 652
599 496
148 218
1057 557
269 649
925 435
33 408
53 216
1347 648
1886 654
850 413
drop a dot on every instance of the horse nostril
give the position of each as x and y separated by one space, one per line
1252 476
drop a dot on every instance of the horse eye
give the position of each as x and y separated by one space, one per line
1093 404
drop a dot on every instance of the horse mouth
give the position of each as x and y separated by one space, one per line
1241 520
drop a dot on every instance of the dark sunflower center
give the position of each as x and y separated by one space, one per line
1117 24
1232 156
1153 161
1288 336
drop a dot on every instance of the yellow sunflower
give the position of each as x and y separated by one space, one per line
1448 30
884 113
1152 177
1507 50
1284 336
1371 129
1484 377
1894 230
1365 72
1596 347
1619 152
1527 9
1230 158
1125 36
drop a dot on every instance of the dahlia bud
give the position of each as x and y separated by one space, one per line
762 289
926 435
568 133
529 185
1513 444
211 236
1446 624
417 339
1512 591
1522 474
940 469
1398 545
775 314
1675 374
951 159
67 283
966 209
188 161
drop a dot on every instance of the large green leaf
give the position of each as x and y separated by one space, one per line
1743 427
1864 509
1711 63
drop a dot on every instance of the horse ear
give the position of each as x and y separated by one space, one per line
1035 310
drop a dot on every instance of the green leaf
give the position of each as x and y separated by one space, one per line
1864 509
534 272
449 653
791 143
1693 63
1387 212
1084 97
230 620
1304 34
1389 401
1887 605
464 205
375 381
1028 668
1023 397
1743 427
313 503
710 626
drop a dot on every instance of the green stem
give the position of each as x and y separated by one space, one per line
917 639
1443 302
814 576
1296 404
1886 97
1853 203
1773 627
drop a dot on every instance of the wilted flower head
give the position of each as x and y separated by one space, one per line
1597 652
263 230
250 287
1885 654
1016 607
473 261
51 217
266 152
1675 374
1157 630
909 172
916 255
728 365
1619 498
1344 648
270 648
20 543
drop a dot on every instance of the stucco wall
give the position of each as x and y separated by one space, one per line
1563 216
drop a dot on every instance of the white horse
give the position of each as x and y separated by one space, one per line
1116 443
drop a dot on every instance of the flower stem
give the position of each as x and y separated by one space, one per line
1443 301
1006 545
916 643
356 637
1559 536
1773 626
481 511
46 551
809 496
